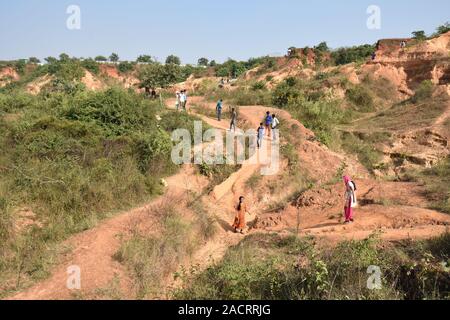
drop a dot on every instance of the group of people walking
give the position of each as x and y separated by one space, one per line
270 126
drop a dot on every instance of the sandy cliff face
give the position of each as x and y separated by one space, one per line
7 75
409 66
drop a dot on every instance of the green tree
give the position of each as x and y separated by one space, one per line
443 29
20 66
322 47
51 60
213 63
144 59
125 67
91 65
34 60
231 68
114 57
156 75
203 62
352 54
419 35
64 57
101 59
172 59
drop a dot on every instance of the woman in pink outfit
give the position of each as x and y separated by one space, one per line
350 199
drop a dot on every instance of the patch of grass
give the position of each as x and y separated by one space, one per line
278 268
423 92
367 154
437 182
253 181
152 259
217 173
362 98
206 221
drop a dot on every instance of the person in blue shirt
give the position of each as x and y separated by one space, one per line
219 110
268 123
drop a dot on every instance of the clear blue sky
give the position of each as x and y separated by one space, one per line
194 28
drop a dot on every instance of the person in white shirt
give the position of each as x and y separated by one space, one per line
183 100
350 199
275 125
177 102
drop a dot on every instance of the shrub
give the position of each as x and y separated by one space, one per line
125 67
443 28
259 85
352 54
284 93
419 35
151 259
362 98
66 69
91 65
367 154
173 60
423 92
15 101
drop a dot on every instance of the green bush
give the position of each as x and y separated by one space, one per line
362 98
259 85
91 65
423 92
125 67
15 101
443 29
66 69
367 154
284 93
352 54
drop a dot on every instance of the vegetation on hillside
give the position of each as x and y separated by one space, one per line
272 267
71 159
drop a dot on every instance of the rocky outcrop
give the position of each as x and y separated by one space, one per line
8 75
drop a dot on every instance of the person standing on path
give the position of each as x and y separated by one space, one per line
239 220
260 135
233 119
177 102
350 199
268 122
219 110
185 99
275 124
182 100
